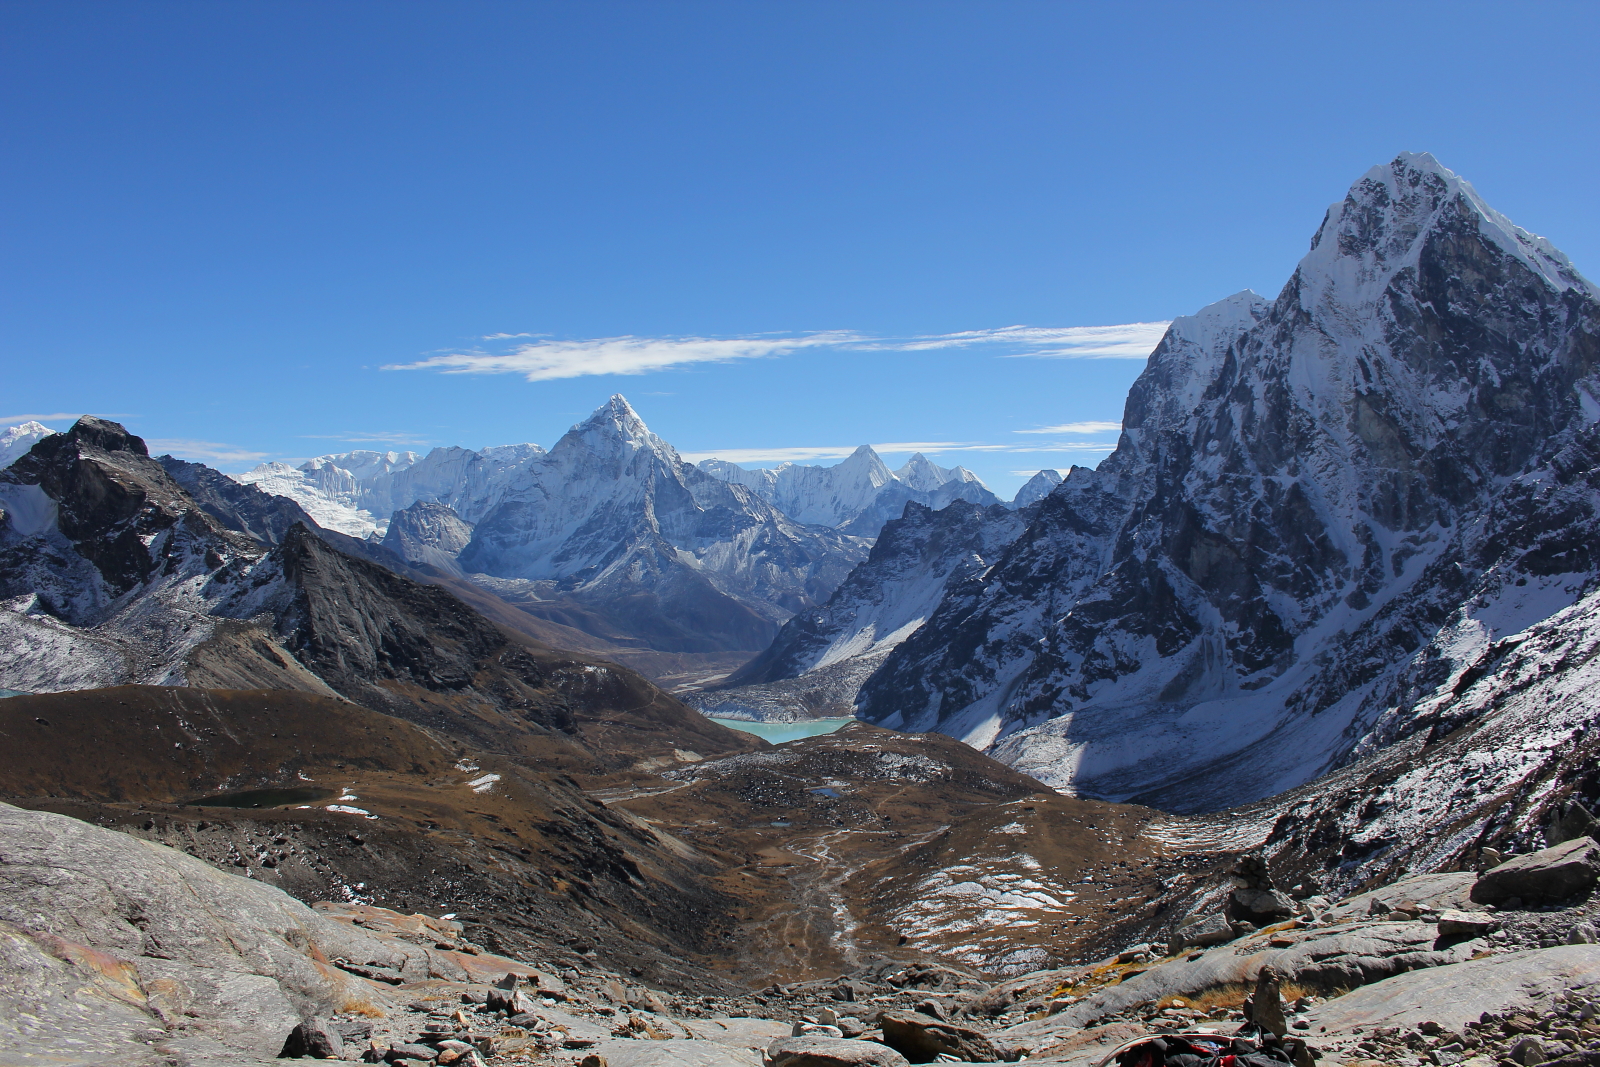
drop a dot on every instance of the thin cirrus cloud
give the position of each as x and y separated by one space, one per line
1091 426
11 420
205 451
538 358
371 437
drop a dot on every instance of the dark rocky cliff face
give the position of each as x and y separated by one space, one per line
113 504
1291 475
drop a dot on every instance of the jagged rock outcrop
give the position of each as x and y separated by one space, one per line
819 659
234 505
1304 491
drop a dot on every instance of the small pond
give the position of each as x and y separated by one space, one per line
265 798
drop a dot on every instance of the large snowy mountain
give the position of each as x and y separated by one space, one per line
815 666
1322 508
859 494
614 520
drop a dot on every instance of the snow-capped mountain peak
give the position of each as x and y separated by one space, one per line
921 473
615 430
860 493
18 439
1382 225
1302 489
1036 488
363 464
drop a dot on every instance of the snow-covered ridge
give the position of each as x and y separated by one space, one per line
858 494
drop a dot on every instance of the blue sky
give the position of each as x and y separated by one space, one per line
816 221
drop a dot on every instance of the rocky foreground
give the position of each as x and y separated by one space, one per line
115 950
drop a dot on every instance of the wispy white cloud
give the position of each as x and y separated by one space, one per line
1131 340
1076 427
539 358
544 360
1067 446
204 451
369 437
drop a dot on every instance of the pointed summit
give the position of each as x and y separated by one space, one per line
922 473
1392 214
865 463
615 429
1036 488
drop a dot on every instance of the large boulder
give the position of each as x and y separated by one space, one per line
924 1039
1569 820
1200 930
1543 877
831 1052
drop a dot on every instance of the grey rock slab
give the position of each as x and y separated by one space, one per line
1455 923
625 1053
1000 998
923 1039
1455 994
1083 1048
113 943
248 1011
53 1012
832 1052
737 1033
1546 876
1209 930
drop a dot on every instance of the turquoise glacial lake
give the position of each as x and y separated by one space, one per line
779 732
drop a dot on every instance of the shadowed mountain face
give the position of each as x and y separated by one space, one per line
1294 509
820 658
113 573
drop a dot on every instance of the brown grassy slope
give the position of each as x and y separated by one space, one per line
532 864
